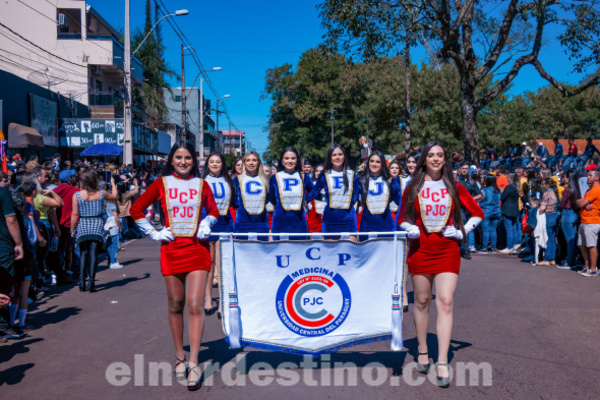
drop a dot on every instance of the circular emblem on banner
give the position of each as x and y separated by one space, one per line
311 303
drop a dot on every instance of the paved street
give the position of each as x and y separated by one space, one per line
535 327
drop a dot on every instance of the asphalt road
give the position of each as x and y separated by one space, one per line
533 331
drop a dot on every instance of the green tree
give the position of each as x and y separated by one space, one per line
475 40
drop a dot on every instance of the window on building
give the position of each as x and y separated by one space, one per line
98 86
68 23
177 99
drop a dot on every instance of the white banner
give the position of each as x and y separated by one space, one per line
311 297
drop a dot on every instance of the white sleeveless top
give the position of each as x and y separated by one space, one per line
184 204
378 195
253 193
291 190
339 196
221 192
435 204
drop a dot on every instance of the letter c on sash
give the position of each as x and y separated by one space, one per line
249 188
182 196
309 253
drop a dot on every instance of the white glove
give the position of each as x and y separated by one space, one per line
162 235
412 231
149 230
452 233
204 228
472 224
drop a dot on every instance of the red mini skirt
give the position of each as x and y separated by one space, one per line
184 255
432 253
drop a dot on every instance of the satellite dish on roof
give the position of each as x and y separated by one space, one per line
48 77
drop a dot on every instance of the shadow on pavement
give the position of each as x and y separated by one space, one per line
121 282
432 347
49 316
14 347
14 375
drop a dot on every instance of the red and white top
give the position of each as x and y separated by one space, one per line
182 201
433 253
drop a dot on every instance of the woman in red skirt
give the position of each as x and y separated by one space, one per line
430 213
184 253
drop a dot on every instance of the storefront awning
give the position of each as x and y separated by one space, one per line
21 136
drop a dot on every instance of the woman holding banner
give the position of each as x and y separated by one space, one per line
286 193
217 176
430 213
342 189
252 187
184 252
378 191
316 206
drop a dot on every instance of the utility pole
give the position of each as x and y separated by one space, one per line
201 155
127 144
240 143
183 95
218 141
230 135
332 119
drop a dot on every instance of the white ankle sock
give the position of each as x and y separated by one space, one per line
22 316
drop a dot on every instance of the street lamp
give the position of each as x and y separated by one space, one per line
217 112
201 158
127 144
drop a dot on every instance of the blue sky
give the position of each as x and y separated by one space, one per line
246 38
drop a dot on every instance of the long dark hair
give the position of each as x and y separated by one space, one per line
419 179
574 189
328 166
365 179
298 163
169 169
490 181
224 171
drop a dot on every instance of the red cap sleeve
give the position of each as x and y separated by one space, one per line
151 195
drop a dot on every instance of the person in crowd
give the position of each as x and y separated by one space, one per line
128 188
395 170
32 163
24 267
252 188
526 154
66 244
569 218
542 152
558 154
184 254
430 213
28 188
571 160
316 206
548 207
215 173
342 189
490 204
113 229
238 167
587 238
87 225
464 179
588 153
286 192
56 162
411 163
307 168
510 213
501 177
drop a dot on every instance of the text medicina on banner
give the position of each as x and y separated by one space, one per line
311 297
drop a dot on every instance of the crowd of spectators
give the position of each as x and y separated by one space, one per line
68 214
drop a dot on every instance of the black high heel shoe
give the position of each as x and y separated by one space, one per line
82 287
423 369
180 376
194 385
442 382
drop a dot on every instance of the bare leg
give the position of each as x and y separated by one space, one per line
586 256
445 286
422 290
196 282
404 294
176 296
593 258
